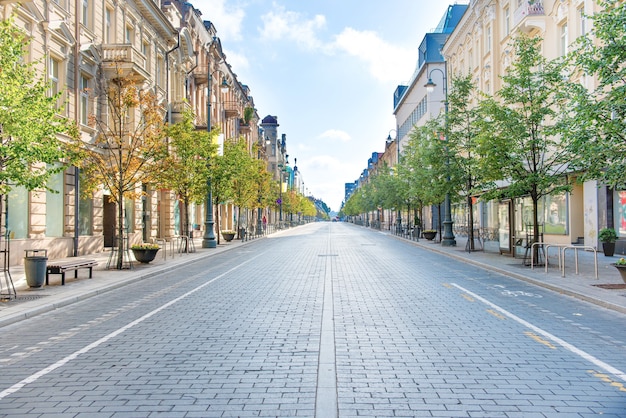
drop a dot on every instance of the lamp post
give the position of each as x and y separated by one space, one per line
259 222
448 236
389 141
208 240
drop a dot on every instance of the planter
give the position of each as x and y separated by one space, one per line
145 256
430 235
608 248
622 270
228 236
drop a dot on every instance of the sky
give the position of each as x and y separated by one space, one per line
327 69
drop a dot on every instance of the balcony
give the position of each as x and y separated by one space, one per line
529 15
177 110
231 110
123 60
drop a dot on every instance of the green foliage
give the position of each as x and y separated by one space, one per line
524 139
185 169
598 124
30 125
607 235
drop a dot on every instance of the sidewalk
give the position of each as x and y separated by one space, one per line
583 285
35 301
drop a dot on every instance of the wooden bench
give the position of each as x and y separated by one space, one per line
63 266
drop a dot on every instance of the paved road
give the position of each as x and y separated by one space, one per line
327 320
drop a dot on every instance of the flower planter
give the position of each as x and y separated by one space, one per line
430 235
228 236
144 256
622 270
608 248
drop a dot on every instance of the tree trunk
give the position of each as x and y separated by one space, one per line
470 221
119 263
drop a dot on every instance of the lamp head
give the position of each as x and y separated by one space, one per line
430 86
224 86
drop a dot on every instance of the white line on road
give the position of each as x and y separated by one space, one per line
34 377
604 366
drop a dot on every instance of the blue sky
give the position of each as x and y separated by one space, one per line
327 69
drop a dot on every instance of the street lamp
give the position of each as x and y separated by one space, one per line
208 240
259 223
448 236
389 141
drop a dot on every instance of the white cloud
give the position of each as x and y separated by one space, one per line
386 62
282 24
236 60
335 134
228 20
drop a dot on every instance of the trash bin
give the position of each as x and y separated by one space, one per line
35 262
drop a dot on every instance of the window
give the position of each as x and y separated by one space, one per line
84 100
130 35
85 217
53 73
17 213
129 215
582 21
145 50
563 39
85 13
54 206
108 22
488 39
507 21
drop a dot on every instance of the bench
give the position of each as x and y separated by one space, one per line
63 266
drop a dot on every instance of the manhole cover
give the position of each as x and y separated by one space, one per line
611 286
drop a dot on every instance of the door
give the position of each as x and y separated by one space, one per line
108 221
505 227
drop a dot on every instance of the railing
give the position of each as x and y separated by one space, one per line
528 8
123 53
562 248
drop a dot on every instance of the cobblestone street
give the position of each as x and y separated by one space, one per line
324 320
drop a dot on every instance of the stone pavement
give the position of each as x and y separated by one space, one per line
35 301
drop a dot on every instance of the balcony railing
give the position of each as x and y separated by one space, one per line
126 59
528 8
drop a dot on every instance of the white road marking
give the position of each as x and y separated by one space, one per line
34 377
604 366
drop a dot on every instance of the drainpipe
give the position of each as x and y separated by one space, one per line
76 116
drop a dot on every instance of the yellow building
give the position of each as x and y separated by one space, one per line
481 46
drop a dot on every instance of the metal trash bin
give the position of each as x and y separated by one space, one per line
35 262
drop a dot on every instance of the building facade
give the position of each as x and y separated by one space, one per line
168 49
481 46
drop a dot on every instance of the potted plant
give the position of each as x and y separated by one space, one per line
607 237
620 265
228 235
144 253
429 234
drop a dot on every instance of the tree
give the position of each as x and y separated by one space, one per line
129 148
599 123
523 140
462 132
185 168
31 150
426 165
